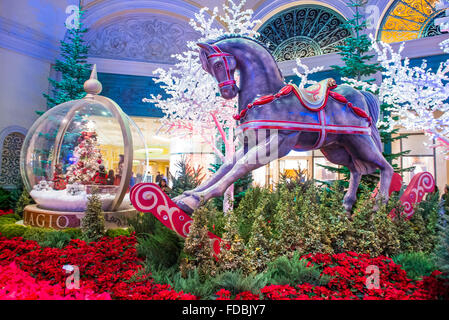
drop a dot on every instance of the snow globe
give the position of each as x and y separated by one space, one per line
76 147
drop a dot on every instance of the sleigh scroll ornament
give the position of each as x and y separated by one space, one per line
148 197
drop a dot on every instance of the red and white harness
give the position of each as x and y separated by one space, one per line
321 127
224 56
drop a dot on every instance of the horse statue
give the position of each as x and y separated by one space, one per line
338 120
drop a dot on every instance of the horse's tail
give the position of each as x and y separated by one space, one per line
374 112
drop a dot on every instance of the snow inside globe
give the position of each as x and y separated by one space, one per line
81 145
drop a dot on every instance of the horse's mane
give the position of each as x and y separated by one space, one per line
236 36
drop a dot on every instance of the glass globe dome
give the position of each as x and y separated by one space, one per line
81 144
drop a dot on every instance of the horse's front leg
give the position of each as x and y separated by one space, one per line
351 195
276 146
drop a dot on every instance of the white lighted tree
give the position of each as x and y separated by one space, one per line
418 95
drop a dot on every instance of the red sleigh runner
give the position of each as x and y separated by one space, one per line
421 184
148 197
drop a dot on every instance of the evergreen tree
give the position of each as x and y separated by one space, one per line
286 223
231 256
354 53
73 70
92 224
187 177
259 247
24 200
355 48
88 157
72 66
442 249
197 248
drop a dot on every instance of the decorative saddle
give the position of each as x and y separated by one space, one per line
315 97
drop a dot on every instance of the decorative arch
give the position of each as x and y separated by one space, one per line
11 140
410 19
303 31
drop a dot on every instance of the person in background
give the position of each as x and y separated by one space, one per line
132 180
139 178
111 177
158 177
164 187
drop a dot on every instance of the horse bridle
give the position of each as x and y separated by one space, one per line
224 56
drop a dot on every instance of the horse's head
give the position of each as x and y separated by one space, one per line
220 65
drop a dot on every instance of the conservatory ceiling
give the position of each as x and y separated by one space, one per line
152 31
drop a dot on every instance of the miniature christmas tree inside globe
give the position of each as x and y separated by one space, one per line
80 144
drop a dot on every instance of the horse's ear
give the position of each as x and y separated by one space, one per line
204 52
206 47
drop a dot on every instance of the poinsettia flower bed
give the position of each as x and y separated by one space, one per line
3 212
104 266
108 268
16 284
349 282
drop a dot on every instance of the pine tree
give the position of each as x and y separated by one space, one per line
442 248
286 223
24 200
88 157
357 66
231 256
198 249
354 50
74 71
73 67
187 177
92 224
258 249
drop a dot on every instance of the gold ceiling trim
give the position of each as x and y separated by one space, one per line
404 20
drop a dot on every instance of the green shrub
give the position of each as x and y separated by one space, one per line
56 239
293 271
442 248
142 223
47 237
161 249
12 230
236 281
193 283
8 198
117 232
256 200
417 264
7 220
36 234
74 233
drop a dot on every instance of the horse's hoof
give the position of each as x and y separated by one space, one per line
184 207
349 216
189 204
178 198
